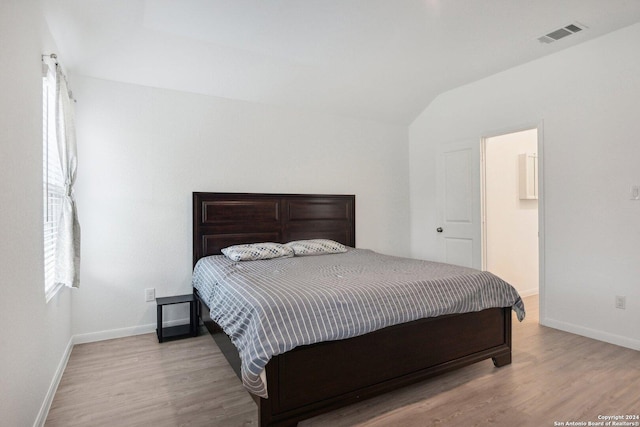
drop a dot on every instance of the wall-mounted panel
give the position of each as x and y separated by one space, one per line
528 176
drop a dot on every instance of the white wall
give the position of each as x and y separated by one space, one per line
35 335
511 222
143 151
588 99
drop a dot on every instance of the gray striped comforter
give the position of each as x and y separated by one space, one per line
272 306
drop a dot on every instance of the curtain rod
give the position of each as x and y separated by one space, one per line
50 55
44 71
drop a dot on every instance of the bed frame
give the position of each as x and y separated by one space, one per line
313 379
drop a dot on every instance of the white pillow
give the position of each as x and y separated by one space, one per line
255 251
316 247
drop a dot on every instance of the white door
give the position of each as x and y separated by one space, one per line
458 194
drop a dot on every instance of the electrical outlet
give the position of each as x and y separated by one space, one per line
150 294
635 192
621 302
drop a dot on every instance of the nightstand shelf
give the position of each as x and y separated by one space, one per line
179 331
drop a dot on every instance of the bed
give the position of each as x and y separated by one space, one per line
314 378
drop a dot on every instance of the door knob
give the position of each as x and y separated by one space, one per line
439 229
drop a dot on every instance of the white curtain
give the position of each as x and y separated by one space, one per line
67 270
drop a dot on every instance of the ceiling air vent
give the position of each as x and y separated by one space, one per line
561 33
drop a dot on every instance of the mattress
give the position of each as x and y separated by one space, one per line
268 307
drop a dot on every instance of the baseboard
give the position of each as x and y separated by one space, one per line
124 332
528 292
114 333
592 333
46 404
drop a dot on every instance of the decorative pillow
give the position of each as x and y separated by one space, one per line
255 251
316 247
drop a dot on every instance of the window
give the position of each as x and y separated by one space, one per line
53 183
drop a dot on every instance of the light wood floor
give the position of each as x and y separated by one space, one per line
555 377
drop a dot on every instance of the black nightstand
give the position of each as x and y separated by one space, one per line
180 331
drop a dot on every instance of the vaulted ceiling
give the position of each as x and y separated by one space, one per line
383 60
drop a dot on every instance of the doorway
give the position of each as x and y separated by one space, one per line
510 216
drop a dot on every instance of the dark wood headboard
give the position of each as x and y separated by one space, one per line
224 219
